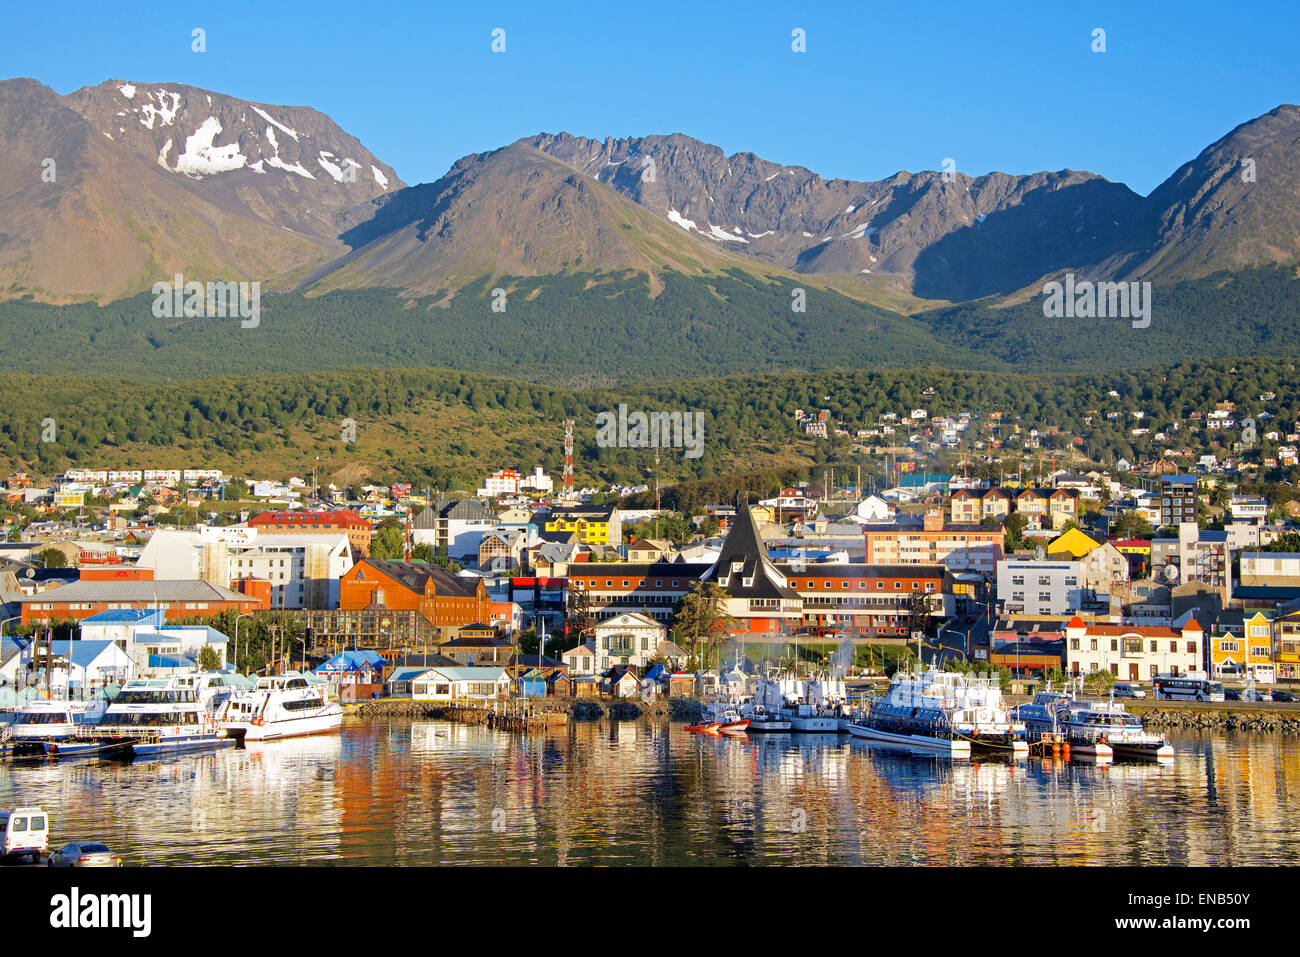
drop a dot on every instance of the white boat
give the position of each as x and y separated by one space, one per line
1047 720
158 716
805 703
44 721
760 719
280 706
1109 725
944 712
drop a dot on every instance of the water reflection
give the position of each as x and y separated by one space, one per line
426 792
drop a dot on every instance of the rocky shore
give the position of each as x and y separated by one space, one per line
1189 719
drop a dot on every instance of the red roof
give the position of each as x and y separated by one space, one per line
336 517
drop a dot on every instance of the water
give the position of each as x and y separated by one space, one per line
432 792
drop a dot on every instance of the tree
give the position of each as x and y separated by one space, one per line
209 660
1133 525
52 558
1015 529
701 616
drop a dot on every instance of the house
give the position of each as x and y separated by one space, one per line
1248 654
681 683
627 639
594 524
77 664
346 521
649 550
478 644
580 660
560 685
458 684
532 684
622 682
181 599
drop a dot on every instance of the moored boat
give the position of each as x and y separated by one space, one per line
42 722
944 713
280 706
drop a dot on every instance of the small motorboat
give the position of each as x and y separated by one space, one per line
709 728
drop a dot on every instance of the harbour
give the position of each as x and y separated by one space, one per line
413 791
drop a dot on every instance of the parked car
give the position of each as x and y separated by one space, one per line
84 854
1231 694
1125 689
1282 695
24 832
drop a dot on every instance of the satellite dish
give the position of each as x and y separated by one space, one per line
1171 573
31 572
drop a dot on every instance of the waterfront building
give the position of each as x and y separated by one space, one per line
615 588
1133 653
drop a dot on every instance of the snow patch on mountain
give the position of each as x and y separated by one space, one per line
720 234
266 116
380 178
676 217
162 111
202 155
127 89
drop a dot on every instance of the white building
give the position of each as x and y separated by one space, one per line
1040 587
303 568
627 639
1133 653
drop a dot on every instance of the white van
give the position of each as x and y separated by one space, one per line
24 831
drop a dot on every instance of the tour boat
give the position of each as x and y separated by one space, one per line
1100 729
157 716
944 713
280 706
42 722
1109 724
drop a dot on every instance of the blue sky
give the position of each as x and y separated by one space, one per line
882 86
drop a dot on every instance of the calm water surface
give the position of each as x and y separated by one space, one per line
432 792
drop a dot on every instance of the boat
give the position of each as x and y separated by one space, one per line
708 727
802 702
157 716
944 712
1047 721
726 718
762 720
44 721
1109 724
280 706
1098 729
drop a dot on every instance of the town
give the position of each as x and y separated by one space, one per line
1037 573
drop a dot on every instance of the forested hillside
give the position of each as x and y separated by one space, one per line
447 428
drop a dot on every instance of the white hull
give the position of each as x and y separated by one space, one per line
814 725
1100 751
780 725
289 727
1164 752
955 748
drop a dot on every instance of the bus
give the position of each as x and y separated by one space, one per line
1186 689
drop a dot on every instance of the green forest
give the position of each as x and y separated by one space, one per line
446 429
594 330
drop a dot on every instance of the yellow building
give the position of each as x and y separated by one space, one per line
593 524
1072 545
1249 655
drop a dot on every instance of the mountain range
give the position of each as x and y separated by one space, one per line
114 187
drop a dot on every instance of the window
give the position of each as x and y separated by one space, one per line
1094 645
1114 644
1153 647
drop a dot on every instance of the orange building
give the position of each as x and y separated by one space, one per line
102 590
445 601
